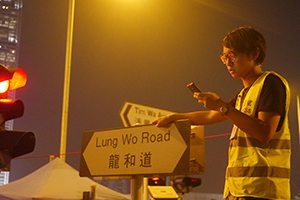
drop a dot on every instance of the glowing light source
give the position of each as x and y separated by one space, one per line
4 86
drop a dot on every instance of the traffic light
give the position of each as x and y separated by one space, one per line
156 181
185 184
12 143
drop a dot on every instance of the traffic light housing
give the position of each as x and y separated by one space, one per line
12 143
185 184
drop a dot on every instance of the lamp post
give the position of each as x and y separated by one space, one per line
298 112
65 108
136 180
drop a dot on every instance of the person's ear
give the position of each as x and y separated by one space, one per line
256 54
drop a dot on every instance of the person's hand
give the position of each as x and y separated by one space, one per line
162 121
210 100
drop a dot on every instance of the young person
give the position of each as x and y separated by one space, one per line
259 152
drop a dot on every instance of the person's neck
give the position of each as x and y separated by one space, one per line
251 77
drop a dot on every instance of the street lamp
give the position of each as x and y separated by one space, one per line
65 108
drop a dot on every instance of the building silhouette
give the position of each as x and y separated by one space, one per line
10 26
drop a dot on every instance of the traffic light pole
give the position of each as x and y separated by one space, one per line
65 109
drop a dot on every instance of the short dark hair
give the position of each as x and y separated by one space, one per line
246 40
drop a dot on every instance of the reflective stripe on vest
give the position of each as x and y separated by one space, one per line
258 172
273 144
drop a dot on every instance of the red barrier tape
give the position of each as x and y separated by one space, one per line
40 156
213 136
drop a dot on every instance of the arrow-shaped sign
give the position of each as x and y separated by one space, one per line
133 114
138 150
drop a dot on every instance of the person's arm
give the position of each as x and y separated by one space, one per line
196 118
262 128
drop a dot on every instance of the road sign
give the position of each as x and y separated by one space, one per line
138 150
133 114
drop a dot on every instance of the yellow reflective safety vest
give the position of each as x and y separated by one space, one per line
256 169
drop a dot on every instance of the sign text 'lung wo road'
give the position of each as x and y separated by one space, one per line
135 150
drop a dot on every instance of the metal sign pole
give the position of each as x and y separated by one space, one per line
146 193
136 187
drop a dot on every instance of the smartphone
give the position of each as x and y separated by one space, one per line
193 87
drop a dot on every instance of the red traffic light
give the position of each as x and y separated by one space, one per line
4 86
12 143
11 78
19 78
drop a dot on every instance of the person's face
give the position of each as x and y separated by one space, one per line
239 65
